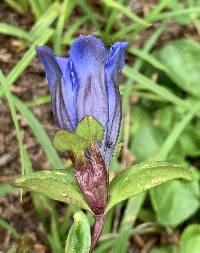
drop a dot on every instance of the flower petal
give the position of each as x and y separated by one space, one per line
59 110
116 60
113 68
53 72
69 89
88 56
58 75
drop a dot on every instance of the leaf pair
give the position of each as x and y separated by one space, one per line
62 186
88 131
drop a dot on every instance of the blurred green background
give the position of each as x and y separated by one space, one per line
160 88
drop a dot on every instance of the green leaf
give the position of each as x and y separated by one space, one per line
10 229
181 19
88 131
57 185
176 133
66 141
142 177
126 11
66 10
25 60
190 141
182 57
16 6
190 239
165 249
131 212
86 8
47 18
147 142
149 85
73 28
40 134
14 31
175 201
79 239
5 189
14 117
117 149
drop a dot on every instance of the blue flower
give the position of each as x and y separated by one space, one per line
86 83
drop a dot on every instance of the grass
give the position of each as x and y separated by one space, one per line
161 124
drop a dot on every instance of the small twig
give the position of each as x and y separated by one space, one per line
5 159
173 235
108 237
7 178
149 245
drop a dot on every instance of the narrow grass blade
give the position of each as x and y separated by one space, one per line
131 212
10 229
66 10
112 19
136 28
175 134
11 250
40 134
14 31
14 116
158 8
148 58
18 7
72 29
90 13
5 189
35 7
137 65
41 100
56 240
44 4
26 59
126 11
171 14
150 85
41 201
46 20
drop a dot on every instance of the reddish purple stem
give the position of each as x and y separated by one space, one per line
92 177
98 227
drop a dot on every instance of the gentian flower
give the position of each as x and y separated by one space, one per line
86 84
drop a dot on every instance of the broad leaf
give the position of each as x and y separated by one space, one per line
5 189
175 201
88 131
190 239
65 141
182 59
57 185
142 177
165 249
147 142
79 239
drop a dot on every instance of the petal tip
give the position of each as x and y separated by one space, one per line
40 50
